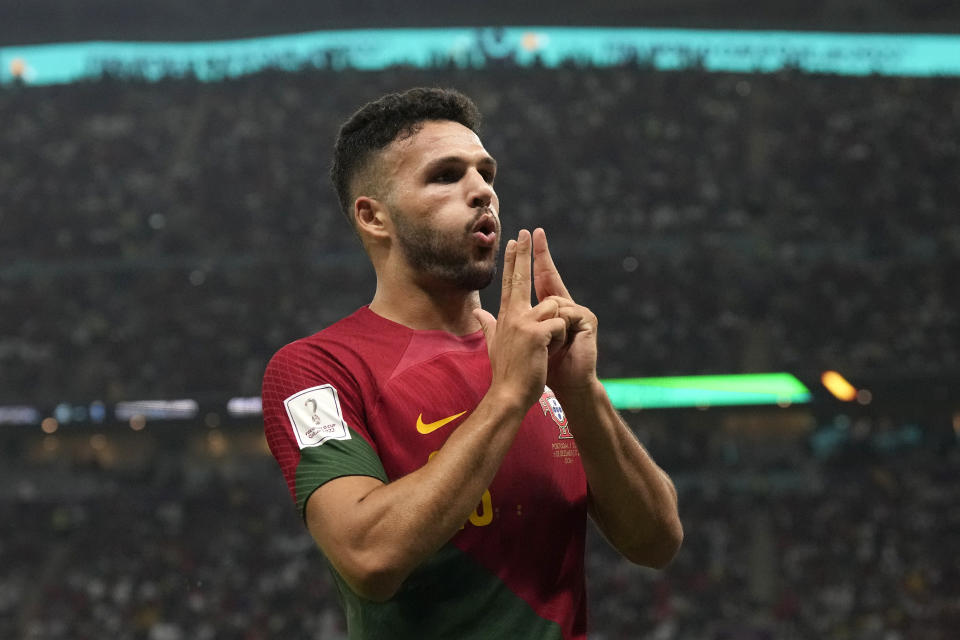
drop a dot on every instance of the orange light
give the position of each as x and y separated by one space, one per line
838 386
49 425
530 41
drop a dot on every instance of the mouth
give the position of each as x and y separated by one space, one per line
485 229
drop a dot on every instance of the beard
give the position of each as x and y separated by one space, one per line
444 255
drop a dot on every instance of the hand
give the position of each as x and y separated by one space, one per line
519 338
573 364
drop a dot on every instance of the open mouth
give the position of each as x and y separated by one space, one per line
485 230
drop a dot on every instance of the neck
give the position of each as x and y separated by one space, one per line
426 309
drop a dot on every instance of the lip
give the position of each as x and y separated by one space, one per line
485 239
485 230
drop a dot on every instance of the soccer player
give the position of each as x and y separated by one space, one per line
444 459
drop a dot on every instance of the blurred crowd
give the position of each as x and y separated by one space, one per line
166 238
159 239
781 543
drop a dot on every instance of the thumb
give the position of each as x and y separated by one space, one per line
487 323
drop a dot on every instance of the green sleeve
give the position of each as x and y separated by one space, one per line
335 459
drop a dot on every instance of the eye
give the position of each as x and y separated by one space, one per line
446 176
488 176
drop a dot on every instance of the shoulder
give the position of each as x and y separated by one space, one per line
315 372
337 340
352 352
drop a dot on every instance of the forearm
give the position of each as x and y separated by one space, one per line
394 527
633 500
376 534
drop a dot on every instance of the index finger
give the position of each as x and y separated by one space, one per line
519 296
506 281
546 278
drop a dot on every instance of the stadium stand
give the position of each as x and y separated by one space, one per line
740 222
166 238
781 542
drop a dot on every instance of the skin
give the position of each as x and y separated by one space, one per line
437 179
440 183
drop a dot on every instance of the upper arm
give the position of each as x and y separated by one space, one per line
315 421
333 518
315 424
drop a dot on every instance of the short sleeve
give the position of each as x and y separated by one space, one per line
314 420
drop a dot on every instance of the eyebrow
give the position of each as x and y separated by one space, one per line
485 161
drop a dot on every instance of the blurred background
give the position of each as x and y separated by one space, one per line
161 237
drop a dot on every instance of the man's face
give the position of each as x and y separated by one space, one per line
444 210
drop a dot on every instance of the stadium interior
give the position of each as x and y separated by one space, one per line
162 239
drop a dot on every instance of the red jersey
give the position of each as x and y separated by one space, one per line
368 396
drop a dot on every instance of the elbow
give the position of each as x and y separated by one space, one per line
372 576
373 588
658 552
668 547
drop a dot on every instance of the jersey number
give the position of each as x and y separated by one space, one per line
483 514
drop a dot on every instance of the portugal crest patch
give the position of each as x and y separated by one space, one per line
551 407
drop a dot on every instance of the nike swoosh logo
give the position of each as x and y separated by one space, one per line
430 427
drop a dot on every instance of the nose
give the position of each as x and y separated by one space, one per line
481 193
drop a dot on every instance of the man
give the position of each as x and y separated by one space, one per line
456 455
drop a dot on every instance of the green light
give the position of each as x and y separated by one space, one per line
707 391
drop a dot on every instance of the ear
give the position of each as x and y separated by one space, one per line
371 218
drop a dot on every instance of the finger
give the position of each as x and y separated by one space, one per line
506 283
556 332
546 278
520 285
577 318
547 309
568 309
562 302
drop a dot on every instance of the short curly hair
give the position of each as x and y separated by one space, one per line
394 116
